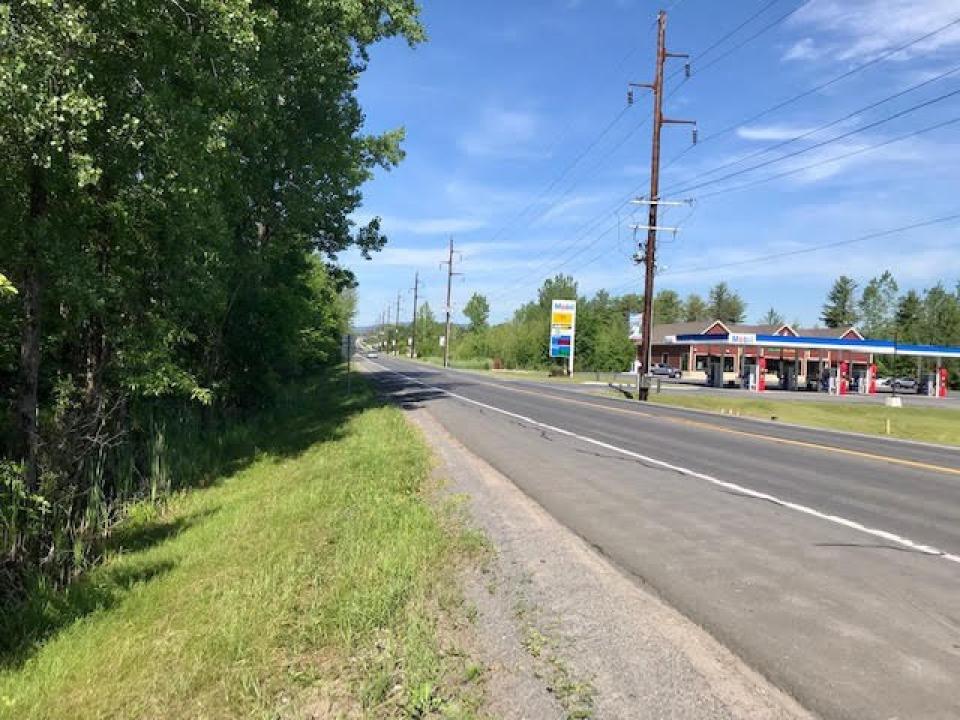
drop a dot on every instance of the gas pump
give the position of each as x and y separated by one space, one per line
761 383
943 382
872 379
843 378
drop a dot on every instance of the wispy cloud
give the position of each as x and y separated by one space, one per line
803 49
503 133
771 132
858 29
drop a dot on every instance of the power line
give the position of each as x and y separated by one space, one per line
816 248
832 81
832 123
835 158
716 43
823 143
623 140
563 173
766 28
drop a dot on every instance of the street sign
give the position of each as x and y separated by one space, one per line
563 325
635 323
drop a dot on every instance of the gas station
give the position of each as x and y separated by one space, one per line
760 358
837 371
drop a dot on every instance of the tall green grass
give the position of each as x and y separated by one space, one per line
310 581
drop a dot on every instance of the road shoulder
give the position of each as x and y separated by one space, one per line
563 633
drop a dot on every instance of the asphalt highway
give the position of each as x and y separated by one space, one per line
830 563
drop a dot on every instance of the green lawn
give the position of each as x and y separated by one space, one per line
315 579
912 423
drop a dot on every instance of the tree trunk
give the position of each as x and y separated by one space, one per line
28 405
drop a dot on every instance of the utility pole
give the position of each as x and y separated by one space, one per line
413 325
649 254
450 273
396 326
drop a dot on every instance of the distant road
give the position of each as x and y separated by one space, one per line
830 563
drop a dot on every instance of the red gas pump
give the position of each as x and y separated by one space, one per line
872 379
843 382
944 382
761 374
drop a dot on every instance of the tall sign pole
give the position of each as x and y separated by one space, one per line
649 253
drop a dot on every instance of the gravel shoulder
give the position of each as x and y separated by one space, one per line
563 633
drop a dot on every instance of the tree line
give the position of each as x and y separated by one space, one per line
931 316
176 183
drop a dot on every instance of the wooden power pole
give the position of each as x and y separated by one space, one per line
413 325
649 253
450 273
396 327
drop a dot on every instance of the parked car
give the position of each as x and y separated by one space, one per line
664 369
907 384
884 384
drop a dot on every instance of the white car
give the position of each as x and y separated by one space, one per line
373 354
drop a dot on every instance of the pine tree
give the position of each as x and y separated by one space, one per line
840 310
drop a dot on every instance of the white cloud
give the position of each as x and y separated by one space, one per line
860 29
503 133
804 49
771 132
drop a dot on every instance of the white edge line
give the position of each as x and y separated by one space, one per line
835 519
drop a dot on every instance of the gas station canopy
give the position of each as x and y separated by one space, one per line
876 347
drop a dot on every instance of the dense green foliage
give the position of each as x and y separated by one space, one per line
177 181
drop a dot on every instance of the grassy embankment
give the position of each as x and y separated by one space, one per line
910 423
315 580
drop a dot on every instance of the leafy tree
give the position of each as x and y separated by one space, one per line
477 310
428 332
667 307
772 317
695 309
176 185
840 310
725 304
909 317
877 305
6 287
560 287
941 316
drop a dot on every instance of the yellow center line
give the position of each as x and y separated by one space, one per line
730 431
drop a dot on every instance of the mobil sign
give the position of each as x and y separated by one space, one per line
563 323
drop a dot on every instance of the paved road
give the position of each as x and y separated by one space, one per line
590 381
830 563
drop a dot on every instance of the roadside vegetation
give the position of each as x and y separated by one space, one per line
313 580
910 423
175 187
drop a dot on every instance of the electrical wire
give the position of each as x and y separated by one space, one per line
815 248
836 158
832 81
832 123
821 144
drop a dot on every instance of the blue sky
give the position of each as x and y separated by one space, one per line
505 109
